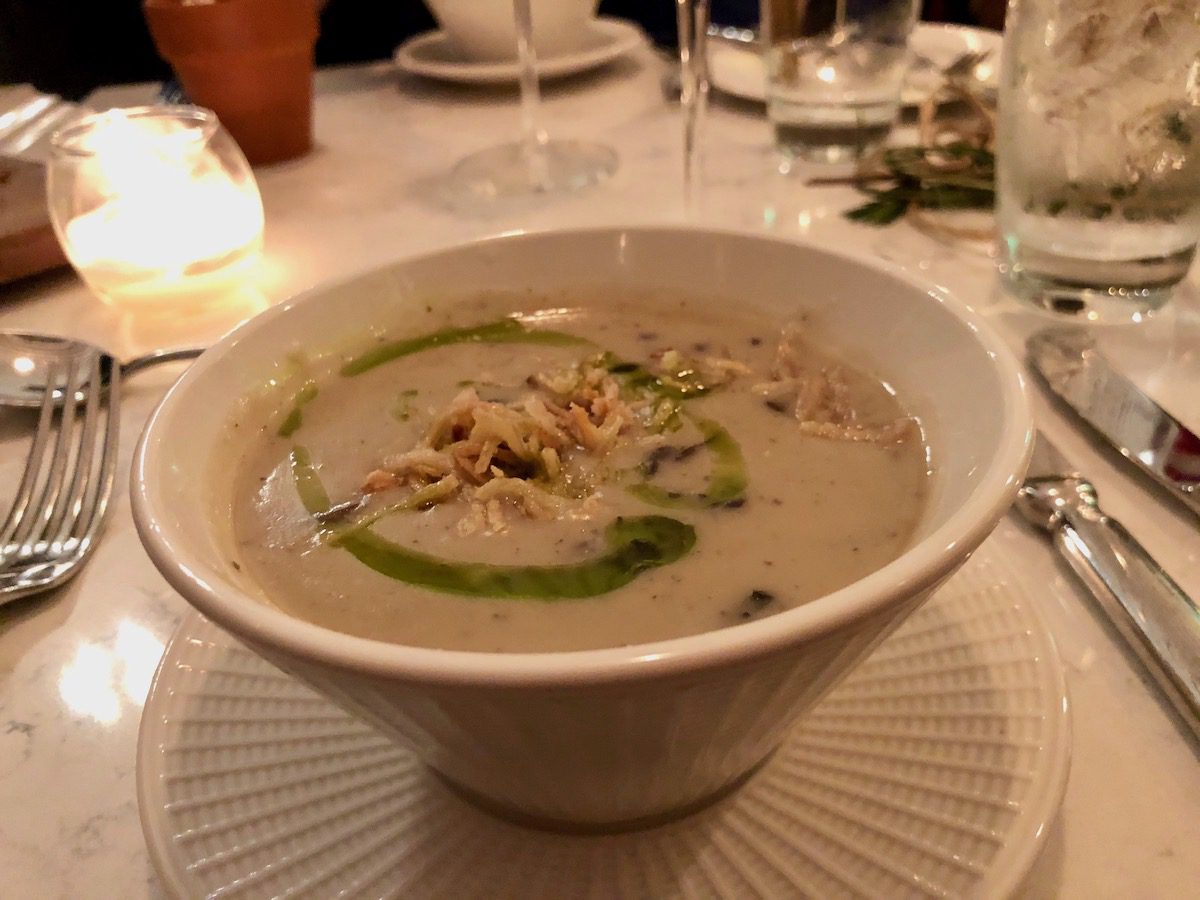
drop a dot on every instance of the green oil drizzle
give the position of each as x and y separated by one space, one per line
505 331
726 479
422 498
295 418
635 544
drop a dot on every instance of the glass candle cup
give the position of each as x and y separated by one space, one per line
154 205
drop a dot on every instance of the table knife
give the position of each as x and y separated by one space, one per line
1156 618
1068 362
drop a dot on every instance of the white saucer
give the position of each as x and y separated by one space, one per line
739 71
431 54
932 771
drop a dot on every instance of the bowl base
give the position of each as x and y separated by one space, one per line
571 826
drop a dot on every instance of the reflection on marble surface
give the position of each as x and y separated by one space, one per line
86 685
98 682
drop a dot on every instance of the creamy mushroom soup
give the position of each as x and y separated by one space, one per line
596 471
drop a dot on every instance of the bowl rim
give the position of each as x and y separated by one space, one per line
920 567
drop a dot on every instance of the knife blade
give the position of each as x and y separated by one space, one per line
1158 621
1070 365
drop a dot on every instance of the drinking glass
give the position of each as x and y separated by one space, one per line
691 20
834 73
1098 153
154 205
535 164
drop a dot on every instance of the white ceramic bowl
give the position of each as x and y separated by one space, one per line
485 30
603 737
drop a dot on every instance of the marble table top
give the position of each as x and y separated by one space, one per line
75 665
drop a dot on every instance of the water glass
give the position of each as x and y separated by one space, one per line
834 73
1098 153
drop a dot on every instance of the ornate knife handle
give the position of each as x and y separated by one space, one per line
1158 620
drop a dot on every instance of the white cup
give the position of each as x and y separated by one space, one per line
485 30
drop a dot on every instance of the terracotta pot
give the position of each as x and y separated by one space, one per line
250 61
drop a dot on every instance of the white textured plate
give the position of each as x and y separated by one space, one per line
932 771
431 55
738 70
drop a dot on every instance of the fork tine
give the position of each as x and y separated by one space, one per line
32 524
94 503
58 525
33 462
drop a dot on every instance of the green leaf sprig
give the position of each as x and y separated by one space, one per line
952 177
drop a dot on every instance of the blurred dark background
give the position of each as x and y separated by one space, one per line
70 47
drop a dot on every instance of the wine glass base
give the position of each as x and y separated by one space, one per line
507 172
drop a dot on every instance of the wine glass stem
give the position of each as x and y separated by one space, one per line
533 137
692 21
839 22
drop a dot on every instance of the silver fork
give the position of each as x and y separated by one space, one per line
62 497
28 118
